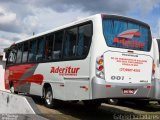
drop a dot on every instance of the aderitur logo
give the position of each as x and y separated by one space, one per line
125 38
65 71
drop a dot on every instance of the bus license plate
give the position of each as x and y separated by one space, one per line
128 91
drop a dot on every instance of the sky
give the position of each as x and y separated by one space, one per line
20 18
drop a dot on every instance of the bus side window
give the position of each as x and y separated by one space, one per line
70 42
32 51
84 39
25 52
12 56
57 52
40 49
49 47
19 53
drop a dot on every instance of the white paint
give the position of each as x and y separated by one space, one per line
122 68
2 68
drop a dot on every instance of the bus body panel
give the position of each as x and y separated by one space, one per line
35 89
104 89
68 79
99 89
124 67
22 76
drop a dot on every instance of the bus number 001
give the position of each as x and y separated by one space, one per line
117 77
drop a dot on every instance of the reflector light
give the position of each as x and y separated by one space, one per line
153 68
100 61
86 88
100 68
148 87
101 74
108 86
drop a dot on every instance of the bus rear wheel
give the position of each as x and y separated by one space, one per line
142 102
92 104
113 101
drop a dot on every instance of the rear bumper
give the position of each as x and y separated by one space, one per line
156 84
103 89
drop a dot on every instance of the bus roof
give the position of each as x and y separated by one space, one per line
77 22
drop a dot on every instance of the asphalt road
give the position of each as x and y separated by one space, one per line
126 111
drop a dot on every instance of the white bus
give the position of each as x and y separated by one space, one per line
156 78
102 56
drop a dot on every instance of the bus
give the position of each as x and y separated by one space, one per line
156 78
98 57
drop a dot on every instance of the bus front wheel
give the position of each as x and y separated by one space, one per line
49 98
12 90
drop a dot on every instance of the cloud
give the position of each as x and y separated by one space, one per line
107 6
148 5
47 19
13 36
6 17
10 22
26 15
19 19
159 28
5 43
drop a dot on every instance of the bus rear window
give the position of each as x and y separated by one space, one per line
126 34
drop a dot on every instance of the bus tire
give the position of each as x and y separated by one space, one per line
113 101
12 89
92 104
142 102
49 101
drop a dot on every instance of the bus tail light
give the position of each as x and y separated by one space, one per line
108 86
100 67
153 68
149 87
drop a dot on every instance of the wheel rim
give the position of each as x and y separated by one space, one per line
49 97
112 100
12 89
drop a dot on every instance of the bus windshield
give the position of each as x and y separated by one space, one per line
126 34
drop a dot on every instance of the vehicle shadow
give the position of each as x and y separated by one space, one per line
153 106
76 111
